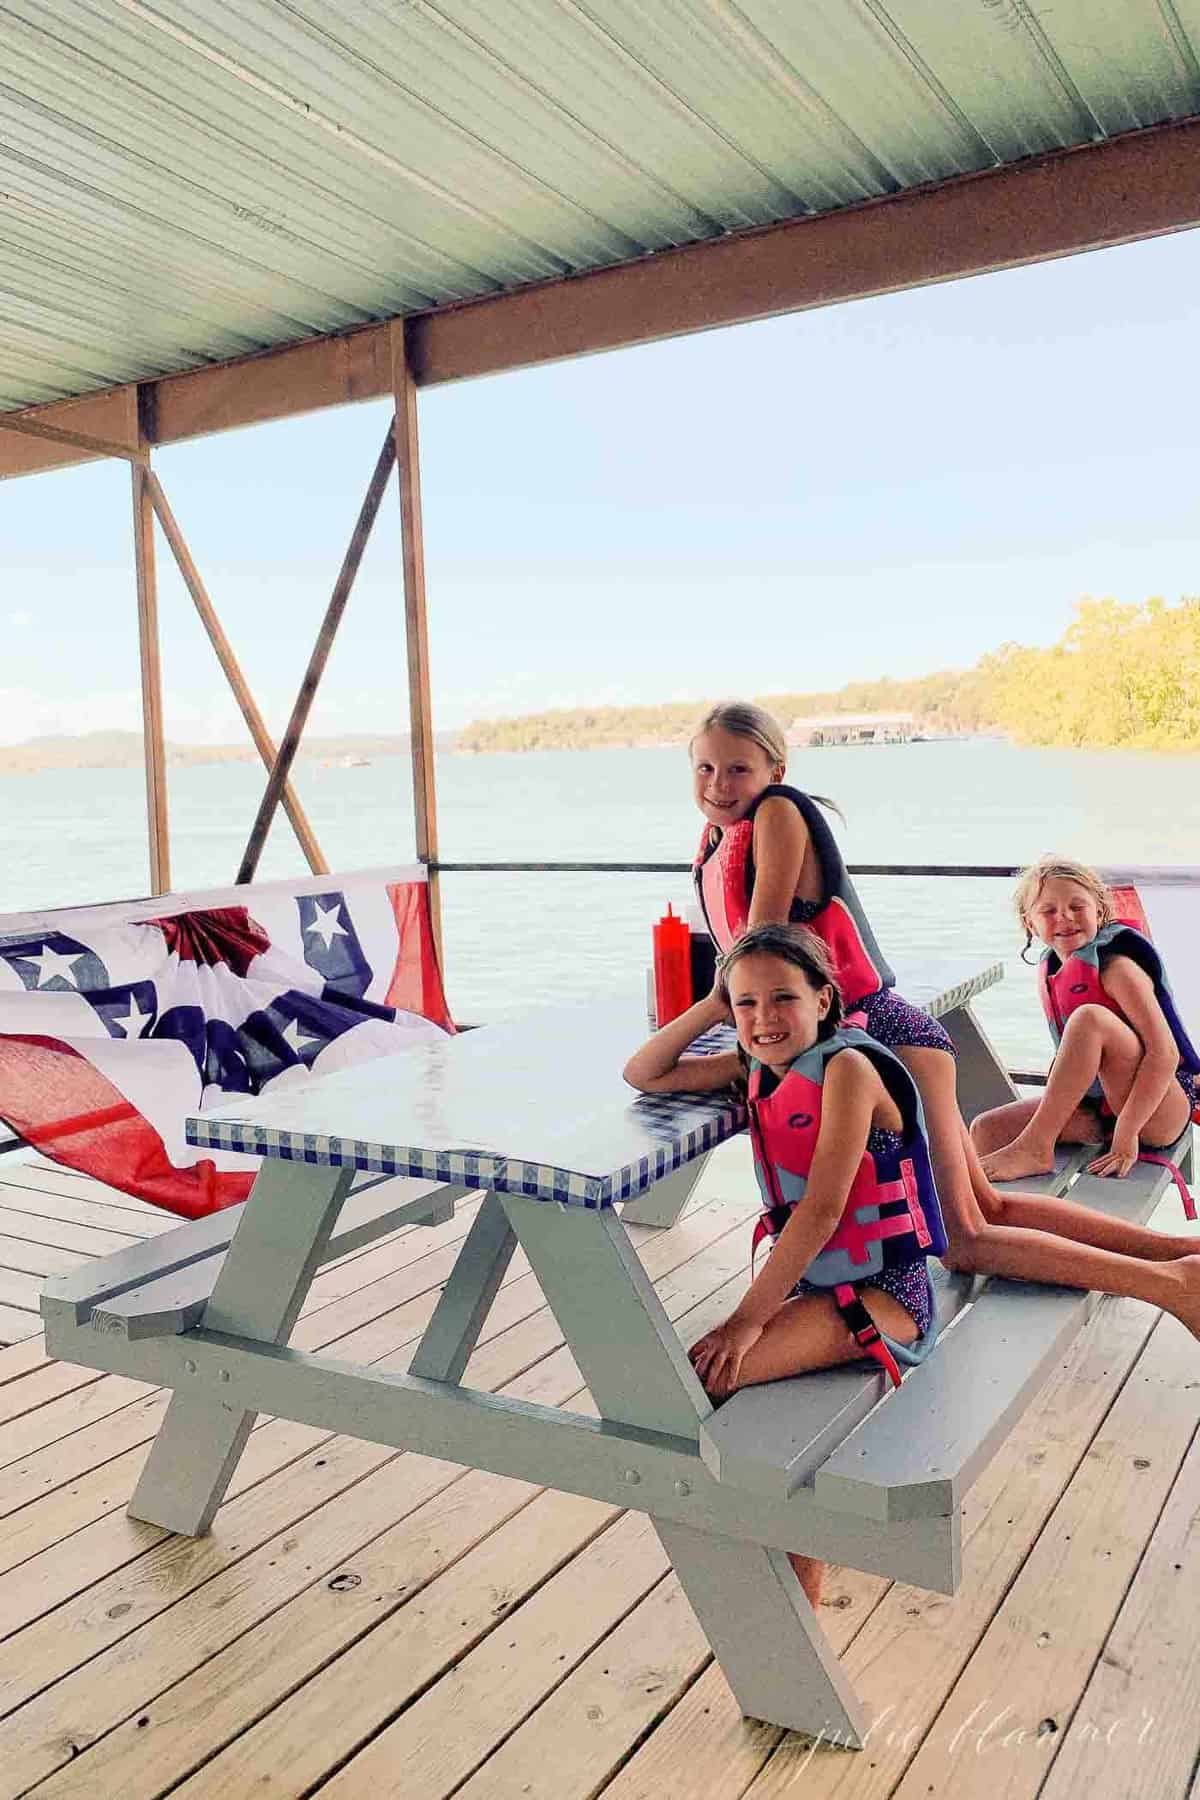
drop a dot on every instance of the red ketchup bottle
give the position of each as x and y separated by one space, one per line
672 967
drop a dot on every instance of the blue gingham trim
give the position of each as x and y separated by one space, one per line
690 1126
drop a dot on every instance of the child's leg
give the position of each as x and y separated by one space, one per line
1068 1219
1001 1124
1095 1043
1036 1249
808 1333
1167 1120
991 1131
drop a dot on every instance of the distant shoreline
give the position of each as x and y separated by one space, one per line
123 750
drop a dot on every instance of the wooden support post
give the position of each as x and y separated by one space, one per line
263 742
408 468
320 656
153 744
258 1294
480 1266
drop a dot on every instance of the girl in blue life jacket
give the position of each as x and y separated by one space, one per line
1124 1070
768 855
840 1153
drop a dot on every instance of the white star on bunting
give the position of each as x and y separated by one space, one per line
297 1039
53 963
325 923
134 1021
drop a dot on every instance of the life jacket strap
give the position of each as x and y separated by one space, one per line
768 1224
864 1330
1164 1162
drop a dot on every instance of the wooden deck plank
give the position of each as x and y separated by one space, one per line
482 1563
63 1234
364 1327
1137 1730
21 1292
98 1550
345 1495
36 1259
238 1684
561 1751
588 1726
114 1389
95 1553
914 1647
65 1415
19 1360
704 1737
237 1586
31 1196
47 1382
16 1325
451 1729
1068 1593
330 1715
29 1167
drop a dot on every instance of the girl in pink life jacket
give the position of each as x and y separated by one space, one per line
841 1157
1124 1070
791 871
767 854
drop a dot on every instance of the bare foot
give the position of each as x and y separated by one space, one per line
1017 1159
1187 1307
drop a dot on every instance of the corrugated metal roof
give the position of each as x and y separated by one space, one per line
186 183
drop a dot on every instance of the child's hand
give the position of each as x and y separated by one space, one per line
717 1356
717 1005
1120 1156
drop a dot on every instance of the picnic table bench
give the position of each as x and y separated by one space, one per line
816 1464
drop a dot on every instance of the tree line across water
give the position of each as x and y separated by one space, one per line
1123 675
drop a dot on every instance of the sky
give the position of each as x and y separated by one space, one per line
886 487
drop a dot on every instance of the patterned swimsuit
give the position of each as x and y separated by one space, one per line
892 1021
906 1282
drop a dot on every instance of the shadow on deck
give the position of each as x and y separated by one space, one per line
362 1623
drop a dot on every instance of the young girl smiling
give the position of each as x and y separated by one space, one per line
1124 1071
841 1158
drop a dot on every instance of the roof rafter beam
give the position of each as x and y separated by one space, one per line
1139 185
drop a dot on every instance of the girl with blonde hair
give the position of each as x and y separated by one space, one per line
1124 1070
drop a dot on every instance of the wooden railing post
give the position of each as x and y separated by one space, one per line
154 746
408 469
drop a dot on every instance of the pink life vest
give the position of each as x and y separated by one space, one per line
724 877
892 1213
1066 986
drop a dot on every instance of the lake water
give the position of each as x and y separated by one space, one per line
515 940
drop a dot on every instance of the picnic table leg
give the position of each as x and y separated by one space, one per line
982 1077
662 1204
746 1596
479 1268
275 1252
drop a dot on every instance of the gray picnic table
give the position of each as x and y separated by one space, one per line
535 1114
